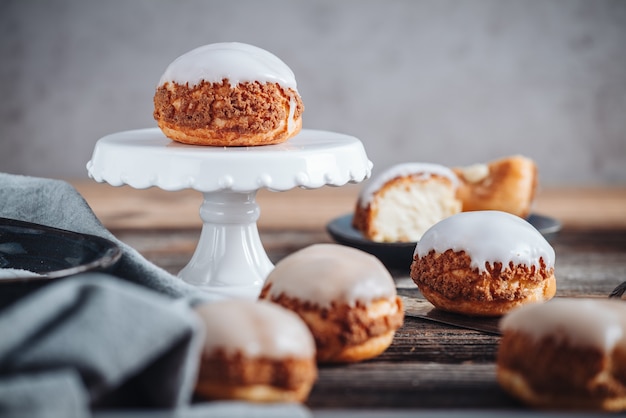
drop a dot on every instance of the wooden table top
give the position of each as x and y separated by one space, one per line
429 365
310 210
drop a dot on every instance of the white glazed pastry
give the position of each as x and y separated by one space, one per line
346 296
404 201
483 263
255 351
565 354
228 94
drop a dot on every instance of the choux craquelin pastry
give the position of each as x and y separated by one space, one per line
346 296
565 354
508 184
483 263
255 351
228 94
402 202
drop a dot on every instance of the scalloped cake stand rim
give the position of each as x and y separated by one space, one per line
145 158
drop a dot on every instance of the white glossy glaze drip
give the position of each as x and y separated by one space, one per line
586 322
256 329
323 273
234 61
422 170
488 237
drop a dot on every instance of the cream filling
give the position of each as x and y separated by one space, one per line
291 123
475 173
382 308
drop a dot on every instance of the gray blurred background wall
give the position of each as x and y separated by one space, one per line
451 82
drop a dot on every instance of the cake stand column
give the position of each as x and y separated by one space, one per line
229 259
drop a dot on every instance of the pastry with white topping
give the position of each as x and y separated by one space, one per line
255 351
228 94
404 201
567 354
346 296
483 263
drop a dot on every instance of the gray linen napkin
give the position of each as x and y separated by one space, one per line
96 341
57 204
102 342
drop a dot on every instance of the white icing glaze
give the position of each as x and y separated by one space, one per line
488 237
326 273
234 61
586 322
420 170
256 329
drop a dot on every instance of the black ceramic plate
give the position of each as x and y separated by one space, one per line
399 255
50 253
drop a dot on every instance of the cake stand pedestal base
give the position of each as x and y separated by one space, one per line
229 259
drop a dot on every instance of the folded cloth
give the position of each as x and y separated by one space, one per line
101 342
58 204
63 396
129 347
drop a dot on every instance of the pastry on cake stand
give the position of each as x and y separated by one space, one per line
229 259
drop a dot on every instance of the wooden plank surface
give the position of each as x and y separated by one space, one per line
428 365
299 209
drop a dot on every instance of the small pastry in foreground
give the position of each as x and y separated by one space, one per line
228 94
483 263
508 184
565 354
404 201
255 351
346 296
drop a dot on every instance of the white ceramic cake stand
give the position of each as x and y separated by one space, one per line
229 259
